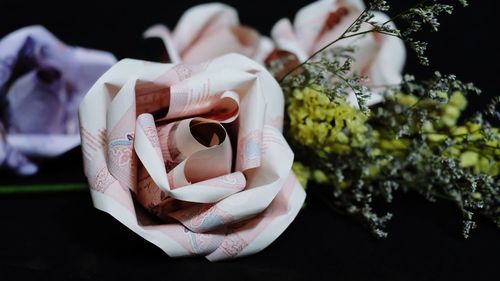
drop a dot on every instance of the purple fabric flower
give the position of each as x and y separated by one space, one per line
42 82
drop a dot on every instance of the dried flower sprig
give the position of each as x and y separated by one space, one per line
409 142
425 13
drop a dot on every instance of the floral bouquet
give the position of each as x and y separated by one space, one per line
210 150
360 134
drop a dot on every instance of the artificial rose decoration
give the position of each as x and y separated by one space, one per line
210 30
378 57
198 147
42 82
12 159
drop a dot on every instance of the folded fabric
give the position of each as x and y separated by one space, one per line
42 82
198 147
379 57
13 159
210 30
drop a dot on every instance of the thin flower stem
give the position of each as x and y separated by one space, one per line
347 82
421 3
322 49
345 36
341 37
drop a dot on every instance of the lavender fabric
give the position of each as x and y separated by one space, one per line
42 82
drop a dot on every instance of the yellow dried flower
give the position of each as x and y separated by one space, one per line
329 126
302 172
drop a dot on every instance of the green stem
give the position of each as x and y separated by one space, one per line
42 188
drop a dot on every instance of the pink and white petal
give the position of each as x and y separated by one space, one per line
162 32
390 61
285 38
201 20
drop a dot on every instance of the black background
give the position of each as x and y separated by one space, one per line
62 237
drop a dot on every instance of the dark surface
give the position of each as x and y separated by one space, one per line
62 237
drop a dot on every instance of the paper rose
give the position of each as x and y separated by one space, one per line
42 82
210 30
379 57
198 147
